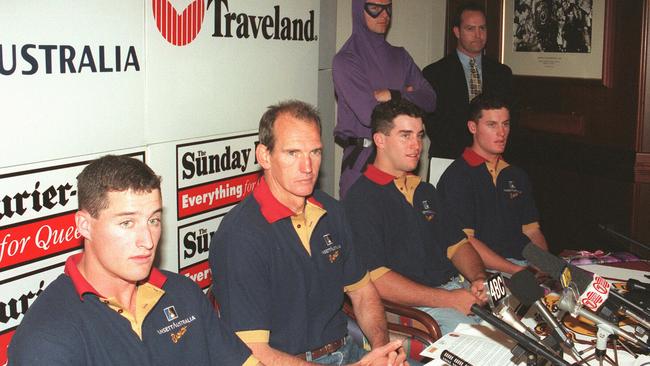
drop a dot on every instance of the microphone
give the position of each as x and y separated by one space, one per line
523 340
497 300
453 360
524 287
589 290
594 290
633 284
568 302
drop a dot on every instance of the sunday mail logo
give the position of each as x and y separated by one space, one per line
214 174
193 250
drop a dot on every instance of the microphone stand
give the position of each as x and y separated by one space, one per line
615 233
568 302
523 340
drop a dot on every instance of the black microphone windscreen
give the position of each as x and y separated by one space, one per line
525 288
544 260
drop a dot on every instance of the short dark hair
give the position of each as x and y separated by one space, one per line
467 6
112 173
296 108
484 102
384 114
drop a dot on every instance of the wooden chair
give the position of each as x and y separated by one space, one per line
416 328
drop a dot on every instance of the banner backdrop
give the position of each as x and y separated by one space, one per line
209 176
184 81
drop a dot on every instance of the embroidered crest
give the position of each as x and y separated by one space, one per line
332 251
333 256
428 213
327 238
512 190
170 313
178 335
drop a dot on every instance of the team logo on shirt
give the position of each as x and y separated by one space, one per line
170 313
328 239
512 190
331 250
428 213
178 335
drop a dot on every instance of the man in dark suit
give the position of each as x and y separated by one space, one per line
458 78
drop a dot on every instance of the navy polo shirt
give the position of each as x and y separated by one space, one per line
392 234
68 324
496 211
270 288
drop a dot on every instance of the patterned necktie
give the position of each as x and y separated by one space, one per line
475 86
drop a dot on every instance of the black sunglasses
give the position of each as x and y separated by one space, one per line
374 9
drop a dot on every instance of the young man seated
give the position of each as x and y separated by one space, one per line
414 248
492 199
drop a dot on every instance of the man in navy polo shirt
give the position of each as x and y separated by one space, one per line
412 244
492 199
111 307
283 257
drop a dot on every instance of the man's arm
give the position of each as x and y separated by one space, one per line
43 347
381 356
469 263
351 83
370 314
272 357
491 259
397 288
537 237
416 88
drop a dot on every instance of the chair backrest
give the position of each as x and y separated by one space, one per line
437 166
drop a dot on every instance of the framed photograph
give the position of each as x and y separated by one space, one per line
554 38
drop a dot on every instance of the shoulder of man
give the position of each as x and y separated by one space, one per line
441 65
457 168
496 65
362 190
54 316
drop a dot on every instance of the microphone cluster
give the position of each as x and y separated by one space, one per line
583 294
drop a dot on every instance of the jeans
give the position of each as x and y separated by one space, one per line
449 318
519 262
350 352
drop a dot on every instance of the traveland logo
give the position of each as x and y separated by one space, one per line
181 27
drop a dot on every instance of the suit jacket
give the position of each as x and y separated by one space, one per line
447 125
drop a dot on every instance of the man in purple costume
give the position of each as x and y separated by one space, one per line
368 70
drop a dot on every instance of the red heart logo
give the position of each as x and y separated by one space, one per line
178 30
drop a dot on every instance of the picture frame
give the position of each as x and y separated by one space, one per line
557 38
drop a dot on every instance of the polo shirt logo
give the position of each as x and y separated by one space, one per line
328 239
178 335
512 190
428 213
170 313
331 251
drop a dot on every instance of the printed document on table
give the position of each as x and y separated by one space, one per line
484 347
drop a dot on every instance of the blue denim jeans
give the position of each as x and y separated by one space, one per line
519 262
350 352
449 318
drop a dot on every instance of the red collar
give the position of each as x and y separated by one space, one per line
272 209
472 158
82 286
378 176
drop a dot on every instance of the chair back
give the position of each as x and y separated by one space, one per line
437 166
